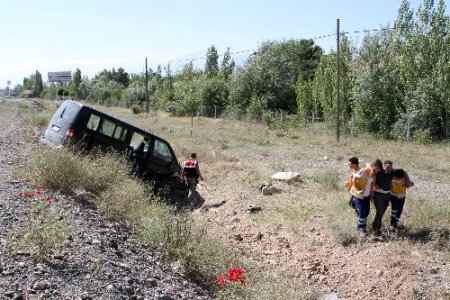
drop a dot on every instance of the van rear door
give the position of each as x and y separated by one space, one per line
61 125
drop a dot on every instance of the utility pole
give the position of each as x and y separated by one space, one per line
146 86
338 81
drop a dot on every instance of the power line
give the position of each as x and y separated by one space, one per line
254 50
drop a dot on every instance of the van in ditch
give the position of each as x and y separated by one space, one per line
87 128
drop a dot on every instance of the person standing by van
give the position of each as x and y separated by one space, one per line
192 174
139 155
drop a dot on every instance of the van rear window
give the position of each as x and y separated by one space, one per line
68 111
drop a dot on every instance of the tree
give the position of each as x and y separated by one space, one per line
227 66
38 84
270 77
212 62
75 84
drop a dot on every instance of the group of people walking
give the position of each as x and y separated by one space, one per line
383 184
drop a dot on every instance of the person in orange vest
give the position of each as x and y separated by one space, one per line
361 188
192 174
400 182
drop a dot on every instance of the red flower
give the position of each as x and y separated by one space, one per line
21 194
221 281
30 194
236 274
38 192
49 198
33 134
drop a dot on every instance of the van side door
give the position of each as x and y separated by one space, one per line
161 160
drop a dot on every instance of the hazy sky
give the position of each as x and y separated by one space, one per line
55 35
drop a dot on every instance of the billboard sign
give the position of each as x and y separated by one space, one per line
63 76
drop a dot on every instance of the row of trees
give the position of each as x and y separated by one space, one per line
396 78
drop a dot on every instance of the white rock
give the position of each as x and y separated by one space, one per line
286 176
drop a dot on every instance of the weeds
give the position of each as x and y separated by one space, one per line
45 229
343 220
183 239
57 169
330 180
123 201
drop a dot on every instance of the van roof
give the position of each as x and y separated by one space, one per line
136 128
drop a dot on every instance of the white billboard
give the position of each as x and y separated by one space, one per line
63 76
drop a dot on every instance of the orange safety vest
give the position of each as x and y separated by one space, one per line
398 187
360 183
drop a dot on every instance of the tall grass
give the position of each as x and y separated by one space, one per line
123 198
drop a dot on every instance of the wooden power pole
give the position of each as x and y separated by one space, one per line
338 82
146 87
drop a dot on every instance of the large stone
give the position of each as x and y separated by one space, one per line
286 176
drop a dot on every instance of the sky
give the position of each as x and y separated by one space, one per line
55 35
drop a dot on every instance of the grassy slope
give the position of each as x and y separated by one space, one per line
304 226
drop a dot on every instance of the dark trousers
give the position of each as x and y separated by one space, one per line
397 209
381 202
362 208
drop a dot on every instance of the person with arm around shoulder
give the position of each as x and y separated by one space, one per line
361 192
400 182
381 197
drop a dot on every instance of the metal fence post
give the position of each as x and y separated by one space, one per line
352 125
408 129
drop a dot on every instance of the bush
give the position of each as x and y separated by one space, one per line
103 171
61 169
137 109
57 169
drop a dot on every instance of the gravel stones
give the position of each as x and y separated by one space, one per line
100 260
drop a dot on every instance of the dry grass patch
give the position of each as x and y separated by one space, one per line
201 256
124 201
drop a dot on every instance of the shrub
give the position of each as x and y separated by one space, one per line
102 171
57 169
137 109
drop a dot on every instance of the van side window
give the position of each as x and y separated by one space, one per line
93 122
113 130
107 127
120 133
161 150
